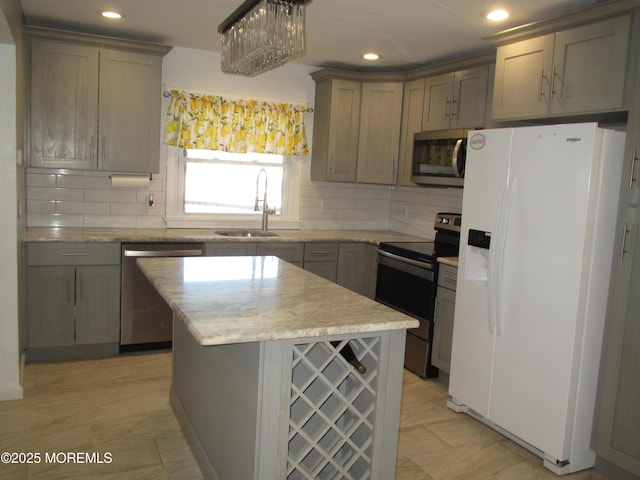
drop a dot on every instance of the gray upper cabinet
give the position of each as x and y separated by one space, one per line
578 70
356 130
336 127
64 105
129 111
379 139
92 107
456 100
412 101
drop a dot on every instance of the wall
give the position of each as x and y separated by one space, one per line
85 199
10 387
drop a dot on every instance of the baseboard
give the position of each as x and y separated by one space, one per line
11 392
206 467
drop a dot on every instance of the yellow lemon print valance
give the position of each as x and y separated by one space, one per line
238 126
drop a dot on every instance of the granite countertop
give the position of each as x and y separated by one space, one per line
42 234
453 261
225 300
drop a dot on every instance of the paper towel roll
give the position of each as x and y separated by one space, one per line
129 181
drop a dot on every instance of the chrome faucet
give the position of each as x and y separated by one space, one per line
266 211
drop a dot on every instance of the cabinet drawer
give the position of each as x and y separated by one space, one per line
320 252
73 253
289 251
447 276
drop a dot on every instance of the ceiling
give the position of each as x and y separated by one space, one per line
406 33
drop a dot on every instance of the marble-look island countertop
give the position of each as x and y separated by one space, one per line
225 300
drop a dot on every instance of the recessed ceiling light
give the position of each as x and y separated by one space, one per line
110 14
371 56
497 15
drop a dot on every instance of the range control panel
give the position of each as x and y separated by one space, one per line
448 221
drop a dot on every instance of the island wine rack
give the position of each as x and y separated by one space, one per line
332 410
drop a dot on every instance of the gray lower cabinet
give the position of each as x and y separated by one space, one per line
351 266
443 317
616 435
230 249
321 258
73 299
292 252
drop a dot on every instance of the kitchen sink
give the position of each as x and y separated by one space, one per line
241 232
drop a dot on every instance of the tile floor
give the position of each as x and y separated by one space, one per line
119 408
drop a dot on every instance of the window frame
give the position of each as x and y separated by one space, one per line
177 218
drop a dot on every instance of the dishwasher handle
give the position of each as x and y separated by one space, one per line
163 253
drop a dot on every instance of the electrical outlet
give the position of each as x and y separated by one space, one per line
405 210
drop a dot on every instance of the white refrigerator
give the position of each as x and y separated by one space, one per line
538 217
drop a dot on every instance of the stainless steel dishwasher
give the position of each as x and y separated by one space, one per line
146 321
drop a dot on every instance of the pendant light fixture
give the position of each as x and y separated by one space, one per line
261 35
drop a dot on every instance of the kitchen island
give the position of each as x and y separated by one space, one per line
261 382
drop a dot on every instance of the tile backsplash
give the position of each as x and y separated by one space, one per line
85 199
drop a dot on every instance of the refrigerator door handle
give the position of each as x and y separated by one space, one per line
493 258
497 277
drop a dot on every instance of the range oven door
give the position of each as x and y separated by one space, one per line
409 286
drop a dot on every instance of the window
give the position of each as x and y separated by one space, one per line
220 188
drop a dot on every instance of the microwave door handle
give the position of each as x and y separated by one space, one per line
455 160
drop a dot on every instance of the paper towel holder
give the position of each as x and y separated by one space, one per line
130 181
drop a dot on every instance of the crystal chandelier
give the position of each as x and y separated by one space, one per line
262 34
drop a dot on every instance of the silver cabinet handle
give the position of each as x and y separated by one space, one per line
75 254
624 241
632 179
540 92
553 81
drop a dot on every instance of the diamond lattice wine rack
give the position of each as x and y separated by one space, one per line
332 410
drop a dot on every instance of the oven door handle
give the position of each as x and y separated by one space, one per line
410 261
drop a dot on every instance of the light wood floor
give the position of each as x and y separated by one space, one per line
120 407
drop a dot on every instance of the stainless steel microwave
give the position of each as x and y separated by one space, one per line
439 158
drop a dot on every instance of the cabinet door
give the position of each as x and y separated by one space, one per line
379 142
336 123
370 271
63 105
589 66
292 252
50 306
470 97
438 102
616 434
230 249
130 92
522 78
97 304
326 270
443 329
412 104
351 266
